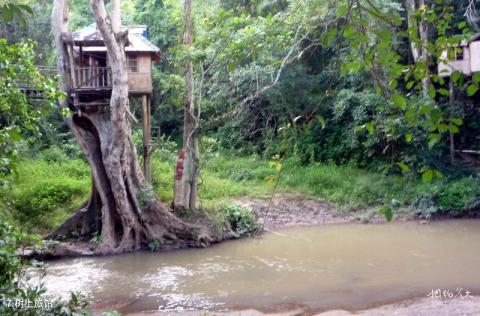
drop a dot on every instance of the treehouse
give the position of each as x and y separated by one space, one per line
466 58
90 82
90 74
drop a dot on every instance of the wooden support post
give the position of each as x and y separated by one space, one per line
149 144
71 62
81 55
147 137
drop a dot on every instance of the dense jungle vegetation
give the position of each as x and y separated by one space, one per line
325 98
327 119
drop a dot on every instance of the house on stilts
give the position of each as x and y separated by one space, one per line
90 75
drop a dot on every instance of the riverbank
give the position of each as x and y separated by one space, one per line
52 185
311 196
417 307
285 210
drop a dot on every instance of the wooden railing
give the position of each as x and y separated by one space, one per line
92 78
47 71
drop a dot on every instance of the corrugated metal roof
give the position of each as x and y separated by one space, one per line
136 41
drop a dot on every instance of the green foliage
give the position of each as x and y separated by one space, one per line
53 155
46 192
96 238
43 198
194 232
347 113
220 224
166 149
17 117
350 96
12 239
375 112
218 180
21 279
11 11
238 175
153 245
387 212
457 195
346 186
453 197
145 196
184 213
242 220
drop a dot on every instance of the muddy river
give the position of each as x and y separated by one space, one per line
351 266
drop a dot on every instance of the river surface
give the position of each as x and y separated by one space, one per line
351 266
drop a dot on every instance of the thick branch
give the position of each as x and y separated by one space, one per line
412 24
115 16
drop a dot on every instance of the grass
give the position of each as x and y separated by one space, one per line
347 187
48 191
218 183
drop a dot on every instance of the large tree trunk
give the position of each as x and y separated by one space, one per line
122 208
419 47
188 166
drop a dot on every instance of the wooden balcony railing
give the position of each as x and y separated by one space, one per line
92 78
47 71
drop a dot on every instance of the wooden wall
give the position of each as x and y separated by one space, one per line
141 81
475 56
463 65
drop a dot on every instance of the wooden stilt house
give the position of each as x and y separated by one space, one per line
91 79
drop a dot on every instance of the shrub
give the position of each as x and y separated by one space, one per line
165 149
238 175
45 196
145 196
242 220
153 244
219 223
454 197
53 155
45 193
457 195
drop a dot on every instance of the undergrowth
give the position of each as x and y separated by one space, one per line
52 185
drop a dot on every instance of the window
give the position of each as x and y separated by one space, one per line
459 53
132 63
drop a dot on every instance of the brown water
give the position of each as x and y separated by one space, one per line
320 268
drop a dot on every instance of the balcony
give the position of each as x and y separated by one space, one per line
92 78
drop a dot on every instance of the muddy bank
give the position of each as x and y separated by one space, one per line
290 210
421 307
285 210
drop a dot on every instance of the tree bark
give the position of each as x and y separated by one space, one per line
116 16
420 29
122 208
188 166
